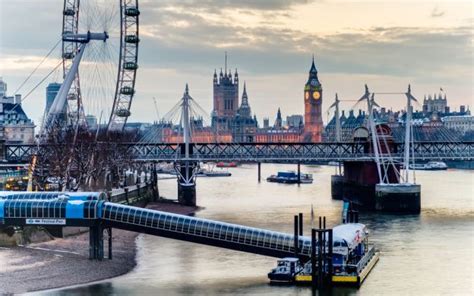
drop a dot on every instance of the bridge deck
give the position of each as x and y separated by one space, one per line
268 151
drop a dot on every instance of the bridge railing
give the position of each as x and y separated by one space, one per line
270 151
302 151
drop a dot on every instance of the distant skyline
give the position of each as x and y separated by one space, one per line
386 44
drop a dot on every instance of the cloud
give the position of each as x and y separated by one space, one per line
437 13
435 54
183 41
217 5
193 35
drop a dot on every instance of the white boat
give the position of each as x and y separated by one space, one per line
210 171
430 166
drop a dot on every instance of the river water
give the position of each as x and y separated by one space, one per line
427 254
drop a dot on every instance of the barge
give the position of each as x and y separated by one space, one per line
352 260
290 178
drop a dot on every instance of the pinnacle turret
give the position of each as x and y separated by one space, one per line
236 76
244 96
244 109
313 80
313 67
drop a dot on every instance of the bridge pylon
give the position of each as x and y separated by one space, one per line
186 171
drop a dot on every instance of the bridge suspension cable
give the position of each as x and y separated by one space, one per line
173 123
37 67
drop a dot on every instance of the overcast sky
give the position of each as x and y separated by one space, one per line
386 44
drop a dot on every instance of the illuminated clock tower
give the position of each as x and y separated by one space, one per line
313 99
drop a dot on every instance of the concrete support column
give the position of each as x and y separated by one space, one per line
96 242
110 243
187 184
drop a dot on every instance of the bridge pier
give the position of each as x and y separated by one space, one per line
187 182
360 185
154 182
337 183
337 187
299 172
187 194
259 169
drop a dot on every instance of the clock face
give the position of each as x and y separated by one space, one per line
313 82
306 95
316 95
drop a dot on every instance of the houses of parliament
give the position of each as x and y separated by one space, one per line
232 119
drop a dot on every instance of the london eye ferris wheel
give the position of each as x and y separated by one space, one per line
99 61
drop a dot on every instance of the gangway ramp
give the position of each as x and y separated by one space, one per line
89 210
204 231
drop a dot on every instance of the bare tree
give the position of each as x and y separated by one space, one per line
79 159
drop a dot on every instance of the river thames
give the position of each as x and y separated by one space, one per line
427 254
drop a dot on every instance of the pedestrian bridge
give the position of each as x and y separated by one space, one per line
268 152
88 209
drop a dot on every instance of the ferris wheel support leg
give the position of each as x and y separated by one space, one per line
61 98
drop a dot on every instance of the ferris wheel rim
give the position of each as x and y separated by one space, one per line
129 41
127 52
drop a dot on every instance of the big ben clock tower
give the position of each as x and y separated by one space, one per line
313 99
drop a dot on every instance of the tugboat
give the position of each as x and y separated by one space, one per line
290 178
353 258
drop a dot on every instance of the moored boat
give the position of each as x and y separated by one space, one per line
210 171
217 174
286 270
352 260
430 166
290 178
227 164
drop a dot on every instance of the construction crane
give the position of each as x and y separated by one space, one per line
156 109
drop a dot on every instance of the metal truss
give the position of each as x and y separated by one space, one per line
271 152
